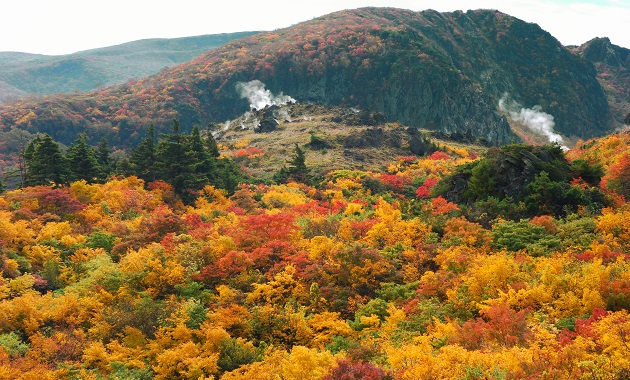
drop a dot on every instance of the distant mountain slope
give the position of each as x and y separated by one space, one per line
8 92
22 73
613 72
441 71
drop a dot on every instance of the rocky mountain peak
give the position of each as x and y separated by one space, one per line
600 49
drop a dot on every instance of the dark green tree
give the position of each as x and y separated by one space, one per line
124 168
298 163
229 175
590 173
143 158
521 181
545 196
207 167
297 170
82 161
211 144
202 164
30 149
2 186
282 175
173 162
103 158
188 163
47 165
27 157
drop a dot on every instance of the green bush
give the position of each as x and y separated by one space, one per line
13 345
515 236
536 177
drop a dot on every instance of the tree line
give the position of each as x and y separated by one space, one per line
186 162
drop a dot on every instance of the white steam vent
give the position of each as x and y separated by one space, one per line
533 118
259 97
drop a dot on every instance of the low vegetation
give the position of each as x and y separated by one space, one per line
390 274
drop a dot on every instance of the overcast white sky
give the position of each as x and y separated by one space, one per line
67 26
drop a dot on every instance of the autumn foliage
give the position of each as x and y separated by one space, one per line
340 281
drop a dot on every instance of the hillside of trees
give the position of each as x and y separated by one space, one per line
23 74
438 71
186 162
393 274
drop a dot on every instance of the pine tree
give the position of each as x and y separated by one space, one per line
143 158
297 170
282 175
228 175
173 161
83 162
47 165
2 186
202 165
298 167
103 158
211 144
125 168
27 156
30 149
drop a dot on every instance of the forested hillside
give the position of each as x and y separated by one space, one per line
370 274
439 71
369 215
24 74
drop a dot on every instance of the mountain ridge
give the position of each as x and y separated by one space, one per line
612 63
25 74
440 71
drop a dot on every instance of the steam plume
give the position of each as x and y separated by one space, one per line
533 118
259 97
227 125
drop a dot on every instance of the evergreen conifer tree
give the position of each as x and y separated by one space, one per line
47 165
27 156
297 170
82 161
211 145
103 158
143 158
228 175
173 164
30 149
202 165
298 167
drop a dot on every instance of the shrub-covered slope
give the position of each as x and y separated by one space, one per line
366 275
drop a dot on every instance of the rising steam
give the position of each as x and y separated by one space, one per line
533 118
259 97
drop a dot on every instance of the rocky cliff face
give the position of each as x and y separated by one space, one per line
601 50
612 63
441 71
